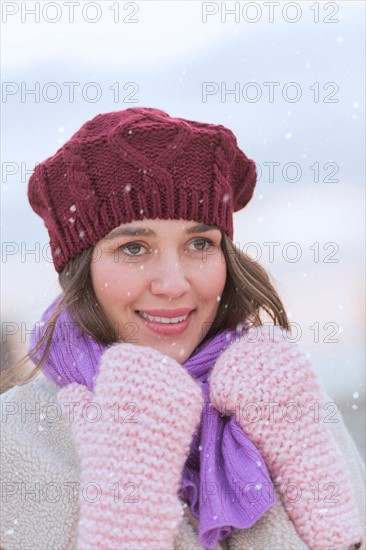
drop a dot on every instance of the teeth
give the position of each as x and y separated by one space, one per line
163 320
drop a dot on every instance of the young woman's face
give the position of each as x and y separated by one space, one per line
164 269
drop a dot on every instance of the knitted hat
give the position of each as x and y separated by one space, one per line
134 164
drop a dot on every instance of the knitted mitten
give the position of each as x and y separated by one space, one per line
133 437
269 384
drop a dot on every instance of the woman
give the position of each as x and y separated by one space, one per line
167 386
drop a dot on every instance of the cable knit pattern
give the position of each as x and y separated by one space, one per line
138 446
264 368
134 164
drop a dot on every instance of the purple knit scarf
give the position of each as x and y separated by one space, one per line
224 481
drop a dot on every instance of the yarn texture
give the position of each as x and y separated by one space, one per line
134 449
221 456
269 385
134 164
35 442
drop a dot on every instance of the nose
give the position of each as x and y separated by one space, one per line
169 277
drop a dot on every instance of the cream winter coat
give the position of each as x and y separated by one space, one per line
40 481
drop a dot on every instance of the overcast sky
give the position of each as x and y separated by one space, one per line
171 59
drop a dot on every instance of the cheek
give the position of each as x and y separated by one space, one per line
114 283
211 277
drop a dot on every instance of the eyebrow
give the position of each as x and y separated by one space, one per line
147 232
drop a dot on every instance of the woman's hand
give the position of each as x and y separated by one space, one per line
133 436
269 384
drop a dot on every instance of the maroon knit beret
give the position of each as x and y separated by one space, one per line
134 164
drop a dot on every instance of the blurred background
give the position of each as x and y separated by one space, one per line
287 79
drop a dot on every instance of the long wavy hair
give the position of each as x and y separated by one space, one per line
248 295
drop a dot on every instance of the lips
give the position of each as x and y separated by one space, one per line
167 329
168 313
164 320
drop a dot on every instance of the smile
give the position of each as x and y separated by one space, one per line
166 326
163 320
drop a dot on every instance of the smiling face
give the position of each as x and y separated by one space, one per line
149 275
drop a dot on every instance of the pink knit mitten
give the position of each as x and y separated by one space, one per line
269 384
133 437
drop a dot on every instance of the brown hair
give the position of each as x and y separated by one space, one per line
248 293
